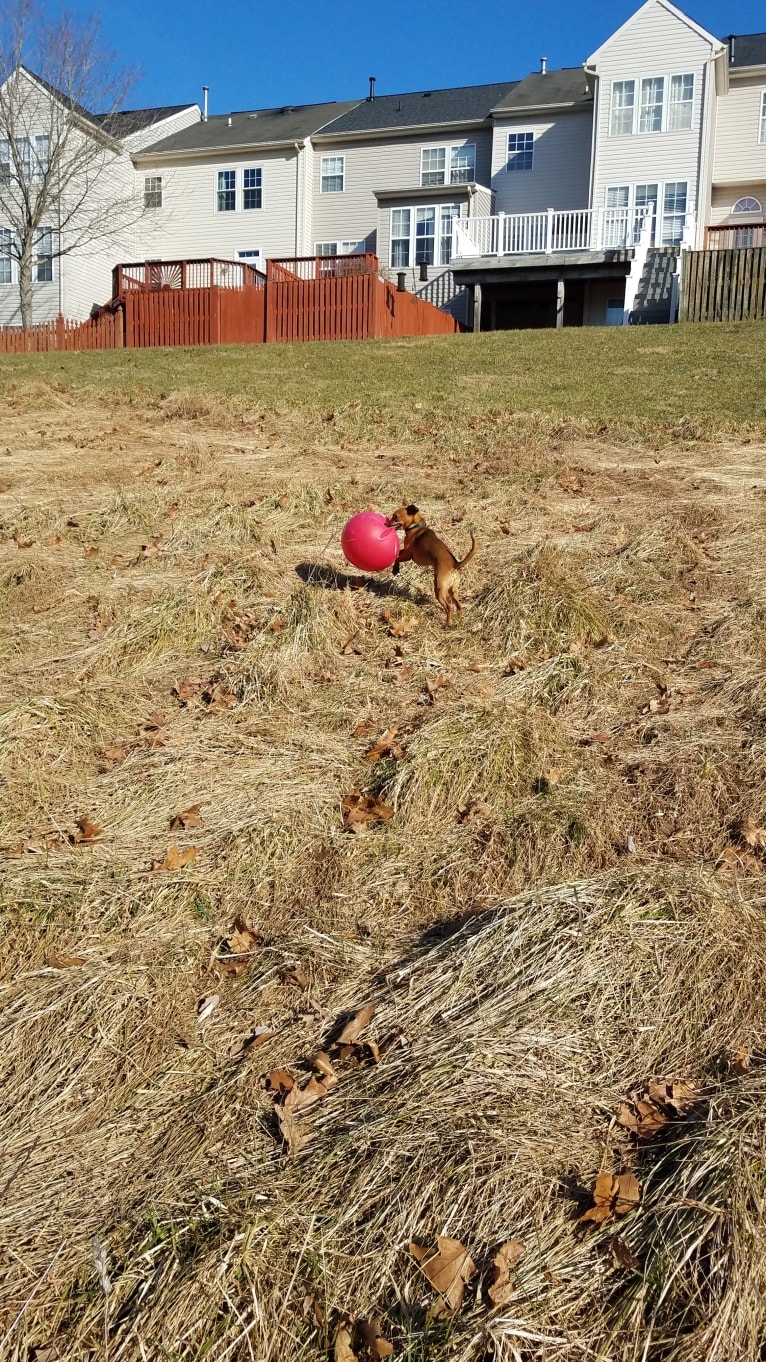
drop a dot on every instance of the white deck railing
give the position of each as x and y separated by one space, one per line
577 229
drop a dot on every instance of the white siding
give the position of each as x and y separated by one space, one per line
389 164
560 177
189 226
739 157
166 128
653 43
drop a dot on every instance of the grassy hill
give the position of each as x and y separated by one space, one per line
554 903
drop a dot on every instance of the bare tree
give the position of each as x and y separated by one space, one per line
65 181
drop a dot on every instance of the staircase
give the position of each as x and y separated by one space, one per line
652 302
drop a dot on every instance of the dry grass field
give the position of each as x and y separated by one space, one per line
248 792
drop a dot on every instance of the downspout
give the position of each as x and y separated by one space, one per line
298 203
593 146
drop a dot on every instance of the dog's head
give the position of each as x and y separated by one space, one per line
405 518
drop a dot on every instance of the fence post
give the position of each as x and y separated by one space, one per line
60 332
215 315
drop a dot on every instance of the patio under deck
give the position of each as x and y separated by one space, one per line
547 290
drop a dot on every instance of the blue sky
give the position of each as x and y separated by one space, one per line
260 55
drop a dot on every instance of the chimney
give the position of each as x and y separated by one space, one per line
205 93
371 95
543 66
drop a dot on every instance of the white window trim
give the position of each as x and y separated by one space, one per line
251 255
341 248
667 77
762 120
413 210
251 210
747 211
154 207
6 283
221 170
447 148
659 207
322 175
44 231
519 132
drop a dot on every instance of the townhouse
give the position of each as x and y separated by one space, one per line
561 197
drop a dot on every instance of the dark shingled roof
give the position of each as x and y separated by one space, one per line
127 121
468 104
537 91
747 49
251 128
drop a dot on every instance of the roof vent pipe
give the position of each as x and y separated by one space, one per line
205 93
371 95
543 66
229 121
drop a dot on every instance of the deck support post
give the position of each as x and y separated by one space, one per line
477 307
559 303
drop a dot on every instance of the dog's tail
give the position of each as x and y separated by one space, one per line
470 553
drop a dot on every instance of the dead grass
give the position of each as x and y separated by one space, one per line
562 907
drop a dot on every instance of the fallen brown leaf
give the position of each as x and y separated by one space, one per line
206 1006
293 1131
280 1081
323 1065
91 552
342 1349
65 961
174 858
48 1353
371 1336
514 665
296 976
354 1028
448 1268
622 1253
434 685
115 754
752 834
642 1118
612 1196
740 1062
679 1094
188 818
400 627
359 809
312 1309
504 1262
87 832
385 746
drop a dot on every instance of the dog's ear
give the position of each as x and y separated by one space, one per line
412 510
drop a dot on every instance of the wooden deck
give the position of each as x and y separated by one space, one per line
224 302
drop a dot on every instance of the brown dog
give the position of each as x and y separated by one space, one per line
425 548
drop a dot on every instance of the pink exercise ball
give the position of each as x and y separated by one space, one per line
369 543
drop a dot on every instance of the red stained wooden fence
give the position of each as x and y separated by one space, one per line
217 302
101 333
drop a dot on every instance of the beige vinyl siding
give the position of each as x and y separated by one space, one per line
725 197
380 164
739 157
175 123
560 176
653 43
189 226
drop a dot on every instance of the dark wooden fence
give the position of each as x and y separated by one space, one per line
219 302
723 285
734 235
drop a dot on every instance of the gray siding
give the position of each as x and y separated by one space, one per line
560 175
379 164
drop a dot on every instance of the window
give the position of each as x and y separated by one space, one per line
431 243
462 164
338 247
621 109
425 235
333 174
673 213
433 165
42 155
400 238
5 159
252 193
450 213
650 111
762 118
681 103
44 257
747 205
152 191
6 261
227 191
24 156
520 150
250 257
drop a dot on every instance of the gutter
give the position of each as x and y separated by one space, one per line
192 153
417 129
